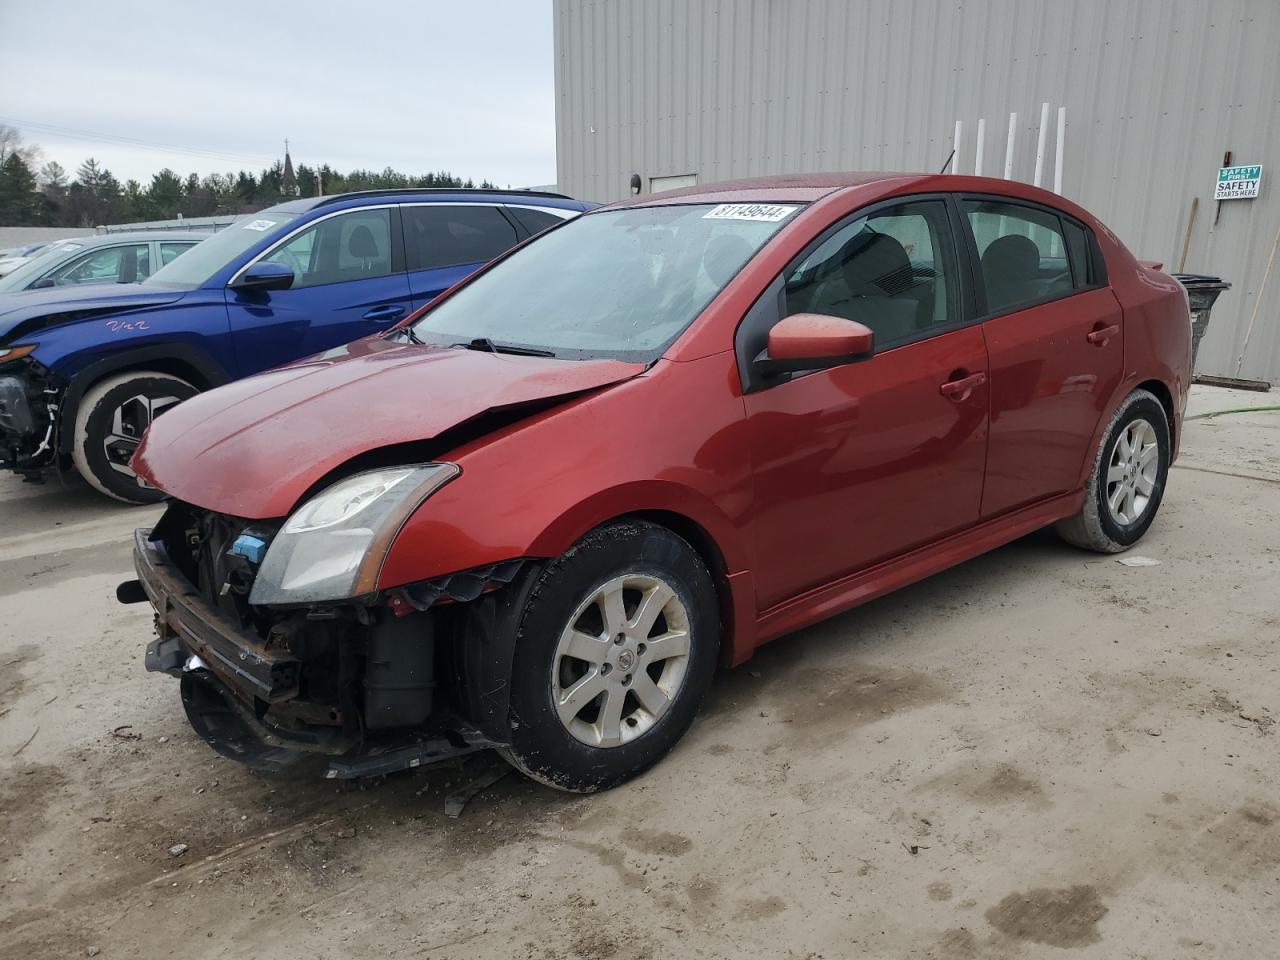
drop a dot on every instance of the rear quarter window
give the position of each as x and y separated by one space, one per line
1084 271
535 221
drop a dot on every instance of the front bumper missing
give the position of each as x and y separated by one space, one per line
235 656
229 686
29 410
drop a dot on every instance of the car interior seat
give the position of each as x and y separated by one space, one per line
361 246
1011 271
882 290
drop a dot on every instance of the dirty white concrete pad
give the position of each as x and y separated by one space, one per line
1039 754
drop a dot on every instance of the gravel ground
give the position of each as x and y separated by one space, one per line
1039 754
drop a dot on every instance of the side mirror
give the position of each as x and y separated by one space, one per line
813 341
263 276
44 283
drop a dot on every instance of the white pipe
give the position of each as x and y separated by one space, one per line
955 148
982 139
1057 156
1044 132
1008 147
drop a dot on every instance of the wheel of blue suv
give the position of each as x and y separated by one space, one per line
1126 484
614 652
110 421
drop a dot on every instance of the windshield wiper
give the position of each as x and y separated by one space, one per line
411 336
487 345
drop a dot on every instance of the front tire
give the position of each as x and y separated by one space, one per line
110 421
1126 485
614 652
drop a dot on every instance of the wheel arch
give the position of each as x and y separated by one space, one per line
1162 393
1158 388
689 515
184 361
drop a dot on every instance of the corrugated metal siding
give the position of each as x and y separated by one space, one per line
1155 91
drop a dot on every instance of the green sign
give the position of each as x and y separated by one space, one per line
1238 183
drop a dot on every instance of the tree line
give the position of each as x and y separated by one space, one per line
44 194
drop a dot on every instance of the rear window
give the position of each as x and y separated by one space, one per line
448 235
1022 253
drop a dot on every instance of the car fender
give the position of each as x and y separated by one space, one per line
639 497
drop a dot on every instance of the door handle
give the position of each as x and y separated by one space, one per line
1103 334
388 312
961 387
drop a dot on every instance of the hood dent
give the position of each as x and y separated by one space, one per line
255 447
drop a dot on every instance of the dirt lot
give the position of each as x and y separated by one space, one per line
1042 753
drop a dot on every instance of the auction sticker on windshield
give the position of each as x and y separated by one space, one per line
766 212
260 225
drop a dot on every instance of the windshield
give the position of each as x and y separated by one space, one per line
621 284
32 269
207 257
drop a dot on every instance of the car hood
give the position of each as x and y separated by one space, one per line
253 447
24 312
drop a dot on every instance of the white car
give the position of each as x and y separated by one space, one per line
106 258
10 260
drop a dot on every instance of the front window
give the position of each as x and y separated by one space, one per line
350 246
197 267
621 283
112 265
893 271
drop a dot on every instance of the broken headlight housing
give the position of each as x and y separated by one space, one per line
332 547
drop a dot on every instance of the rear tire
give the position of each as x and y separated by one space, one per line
110 421
615 650
1126 484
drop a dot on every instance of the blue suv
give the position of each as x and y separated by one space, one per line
83 372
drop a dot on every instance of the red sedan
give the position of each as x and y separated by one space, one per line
536 515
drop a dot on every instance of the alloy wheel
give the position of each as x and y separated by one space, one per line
621 660
128 422
1132 472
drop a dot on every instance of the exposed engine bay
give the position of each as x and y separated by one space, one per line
379 683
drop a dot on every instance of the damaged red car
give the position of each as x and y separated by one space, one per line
538 514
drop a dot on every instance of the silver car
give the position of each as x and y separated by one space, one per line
108 258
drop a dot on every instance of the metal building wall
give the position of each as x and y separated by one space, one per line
1155 91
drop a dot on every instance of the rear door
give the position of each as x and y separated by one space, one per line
862 462
446 242
1054 333
349 282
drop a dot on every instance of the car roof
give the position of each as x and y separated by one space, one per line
103 239
809 187
430 195
797 187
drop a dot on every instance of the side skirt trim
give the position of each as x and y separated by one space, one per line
857 588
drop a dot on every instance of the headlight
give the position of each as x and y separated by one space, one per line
332 547
16 353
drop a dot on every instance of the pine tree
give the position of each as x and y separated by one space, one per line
164 194
19 200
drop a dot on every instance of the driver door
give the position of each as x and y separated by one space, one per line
860 463
348 283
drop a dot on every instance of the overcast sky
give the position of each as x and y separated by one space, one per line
464 86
